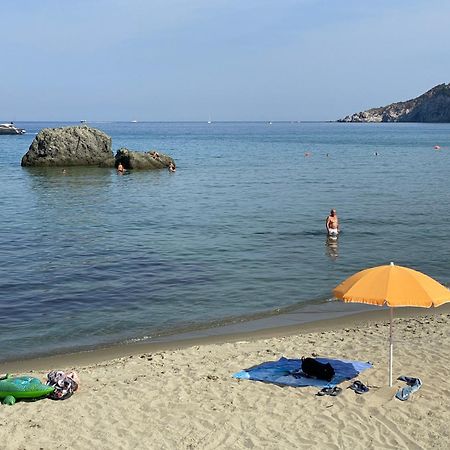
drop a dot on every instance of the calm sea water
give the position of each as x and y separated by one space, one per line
90 257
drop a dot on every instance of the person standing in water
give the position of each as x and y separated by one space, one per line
332 223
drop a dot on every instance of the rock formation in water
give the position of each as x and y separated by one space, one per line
433 106
70 146
86 146
142 160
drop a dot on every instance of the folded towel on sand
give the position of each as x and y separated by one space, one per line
288 372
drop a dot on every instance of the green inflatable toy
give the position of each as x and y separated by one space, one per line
9 400
22 388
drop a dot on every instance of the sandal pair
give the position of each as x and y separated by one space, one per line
334 391
359 387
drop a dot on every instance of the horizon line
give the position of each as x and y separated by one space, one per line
170 121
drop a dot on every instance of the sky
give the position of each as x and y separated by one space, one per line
183 60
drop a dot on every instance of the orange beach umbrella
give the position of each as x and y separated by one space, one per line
392 286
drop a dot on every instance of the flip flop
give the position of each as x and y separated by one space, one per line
359 387
324 391
334 391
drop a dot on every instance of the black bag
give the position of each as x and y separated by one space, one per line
316 369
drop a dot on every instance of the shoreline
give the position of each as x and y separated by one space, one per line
285 325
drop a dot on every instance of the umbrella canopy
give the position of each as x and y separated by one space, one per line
392 286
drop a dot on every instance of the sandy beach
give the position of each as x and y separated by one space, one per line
186 398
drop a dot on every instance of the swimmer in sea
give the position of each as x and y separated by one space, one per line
120 168
332 223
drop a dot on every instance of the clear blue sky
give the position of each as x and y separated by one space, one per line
235 60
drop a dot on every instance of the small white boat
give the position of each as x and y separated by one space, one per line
9 128
83 121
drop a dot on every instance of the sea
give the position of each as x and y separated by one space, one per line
90 258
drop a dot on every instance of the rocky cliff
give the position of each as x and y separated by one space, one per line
433 106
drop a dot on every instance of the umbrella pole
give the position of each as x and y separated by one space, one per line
391 344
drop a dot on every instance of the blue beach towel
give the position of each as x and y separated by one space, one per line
287 372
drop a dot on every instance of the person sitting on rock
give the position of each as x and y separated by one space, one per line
154 154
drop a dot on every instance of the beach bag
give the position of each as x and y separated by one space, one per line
313 368
65 384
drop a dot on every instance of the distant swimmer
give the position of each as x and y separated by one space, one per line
332 224
437 147
120 168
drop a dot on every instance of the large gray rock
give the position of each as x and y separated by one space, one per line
70 146
142 160
433 106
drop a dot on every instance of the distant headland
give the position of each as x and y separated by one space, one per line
431 107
